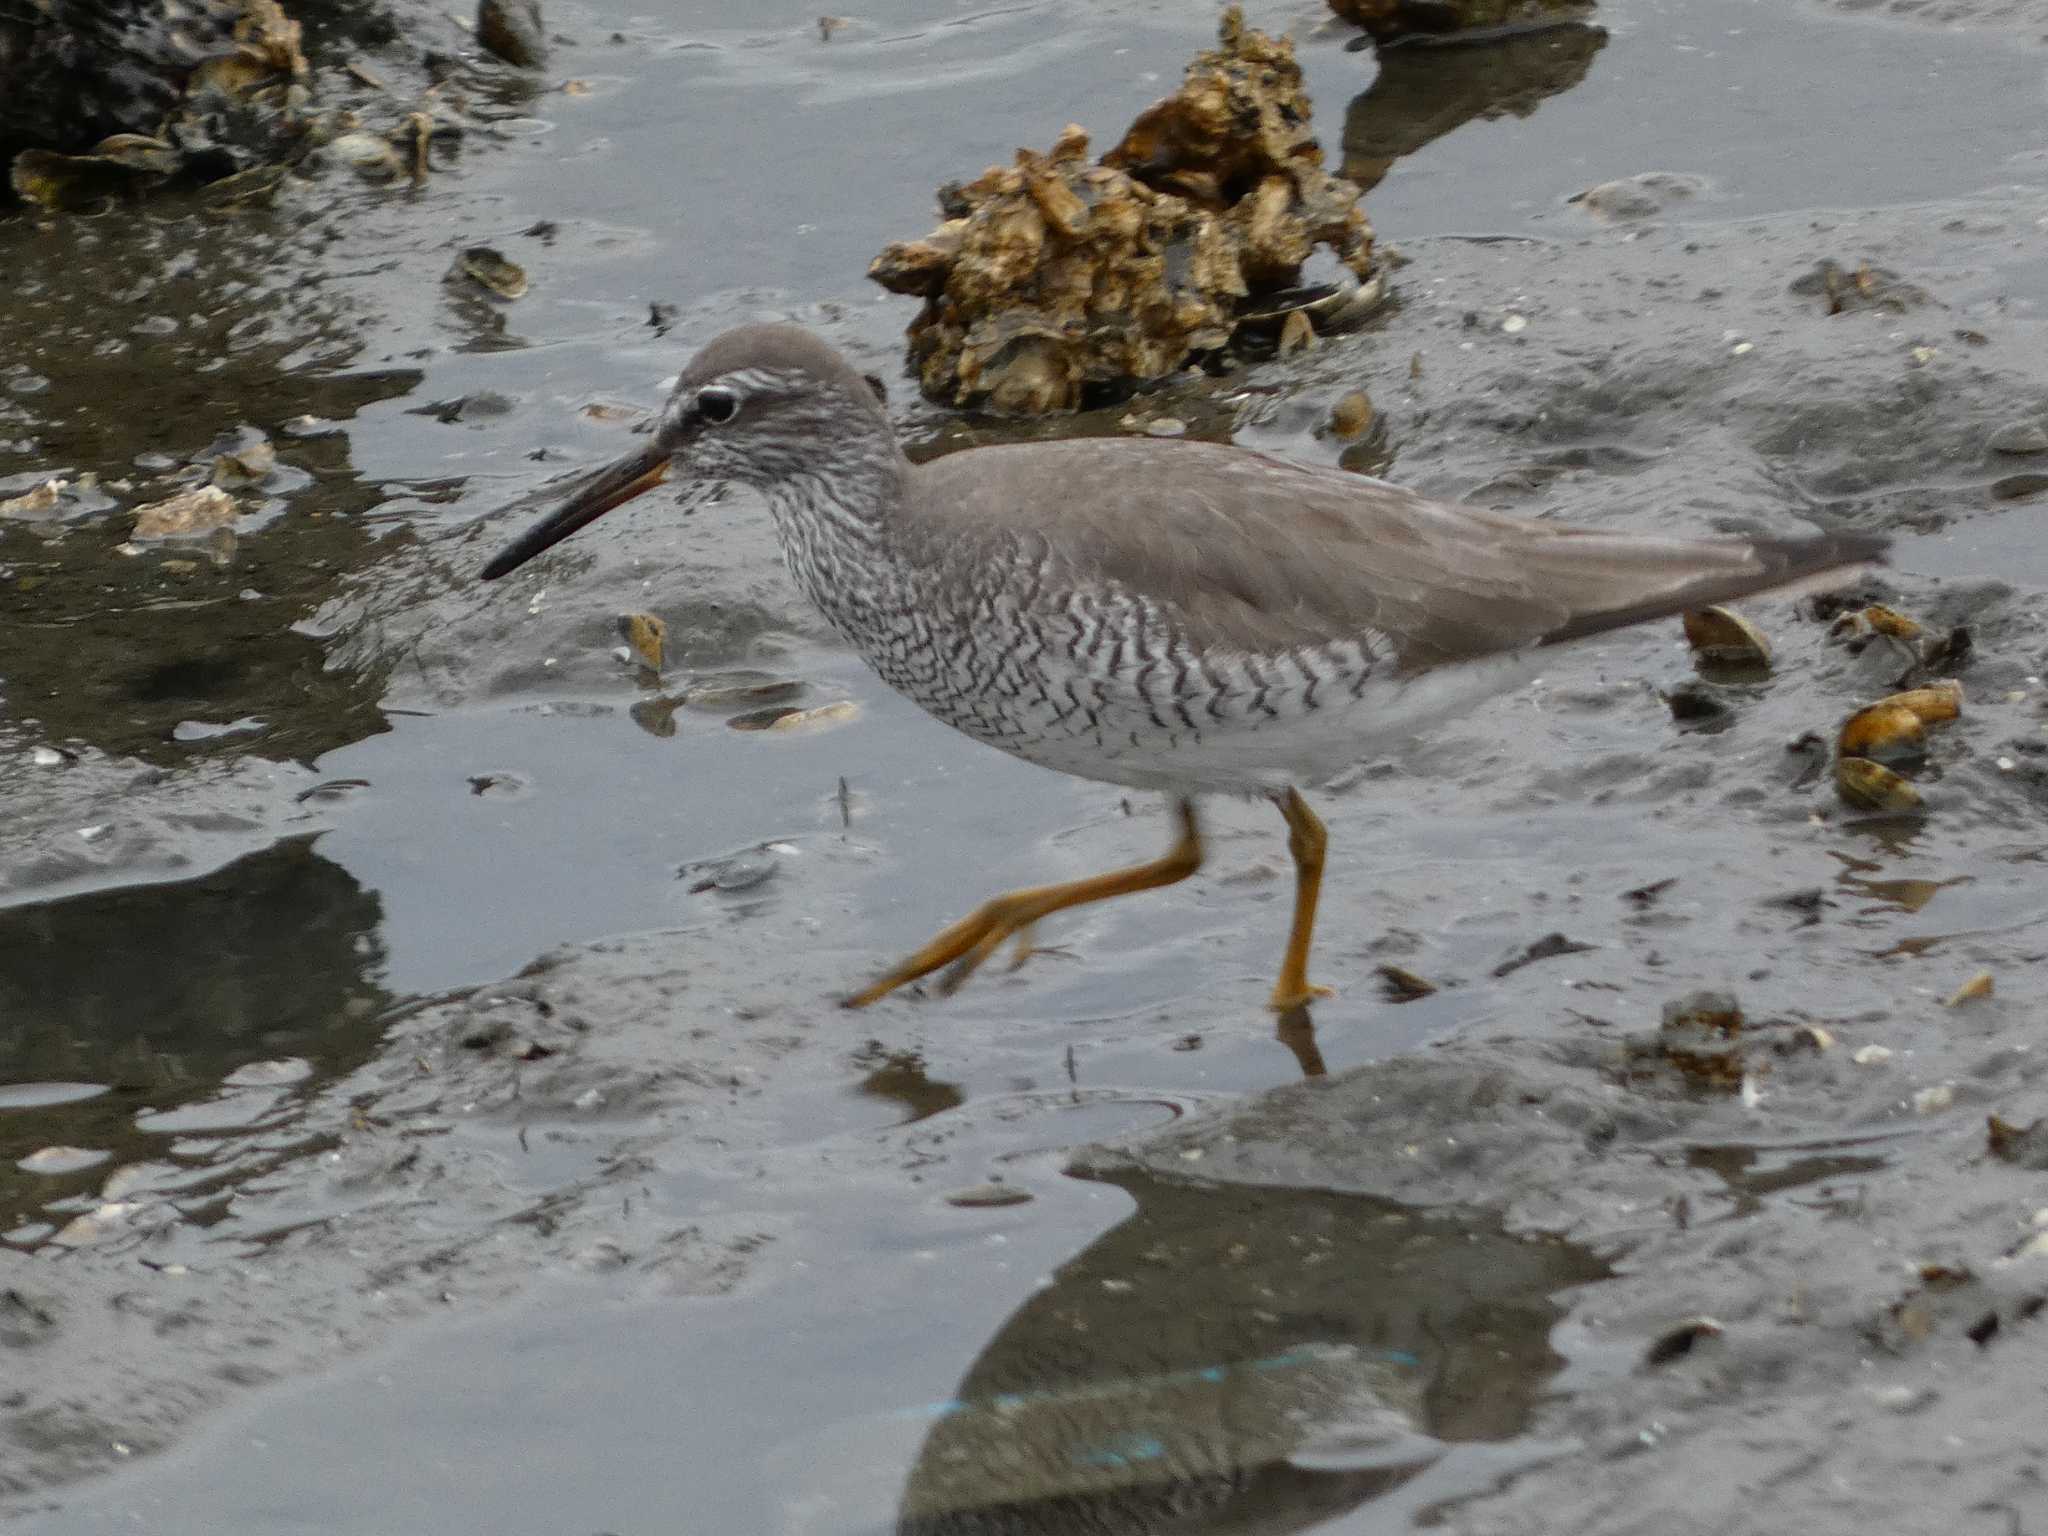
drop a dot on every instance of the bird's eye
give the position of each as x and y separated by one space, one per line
717 406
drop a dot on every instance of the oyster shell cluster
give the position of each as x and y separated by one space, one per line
211 57
1060 279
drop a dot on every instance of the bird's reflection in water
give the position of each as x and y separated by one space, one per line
1294 1029
1234 1359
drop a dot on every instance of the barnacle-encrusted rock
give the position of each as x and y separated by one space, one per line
1057 274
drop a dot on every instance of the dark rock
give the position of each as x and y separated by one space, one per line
512 30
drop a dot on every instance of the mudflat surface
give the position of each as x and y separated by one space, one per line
422 1098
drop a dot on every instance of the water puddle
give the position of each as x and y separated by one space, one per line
1233 1360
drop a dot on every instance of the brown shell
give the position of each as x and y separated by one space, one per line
1724 636
1882 731
1874 787
1932 702
1889 621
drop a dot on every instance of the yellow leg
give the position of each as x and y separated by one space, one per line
1306 840
969 942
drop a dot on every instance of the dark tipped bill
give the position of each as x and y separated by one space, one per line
611 486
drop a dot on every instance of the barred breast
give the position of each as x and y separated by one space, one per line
1105 684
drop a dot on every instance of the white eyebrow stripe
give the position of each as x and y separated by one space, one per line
748 380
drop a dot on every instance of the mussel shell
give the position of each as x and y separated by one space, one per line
1874 787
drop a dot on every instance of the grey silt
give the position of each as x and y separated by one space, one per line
1175 616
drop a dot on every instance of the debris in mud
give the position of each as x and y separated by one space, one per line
68 183
988 1196
1549 947
1715 1013
1866 287
1644 897
330 792
1723 640
1635 198
38 502
370 155
512 30
490 270
1698 703
1978 986
188 731
735 873
1058 280
2025 1146
248 462
645 636
1400 985
191 512
1889 621
1701 1039
1679 1342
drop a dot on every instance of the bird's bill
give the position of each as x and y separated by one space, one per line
612 486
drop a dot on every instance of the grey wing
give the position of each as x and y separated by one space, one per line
1262 555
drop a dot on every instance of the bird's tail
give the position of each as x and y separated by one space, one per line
1623 581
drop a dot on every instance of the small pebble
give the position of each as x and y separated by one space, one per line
1871 1055
1514 325
2019 437
270 1074
47 757
54 1161
1351 415
1901 1398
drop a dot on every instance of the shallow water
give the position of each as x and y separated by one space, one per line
465 786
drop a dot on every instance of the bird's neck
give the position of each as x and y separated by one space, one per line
834 518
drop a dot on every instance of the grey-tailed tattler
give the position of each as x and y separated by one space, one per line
1167 615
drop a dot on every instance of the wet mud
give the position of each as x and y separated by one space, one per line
422 1089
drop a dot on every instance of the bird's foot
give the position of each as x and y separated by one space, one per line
962 948
1287 996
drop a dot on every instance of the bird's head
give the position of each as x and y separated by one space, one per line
761 405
